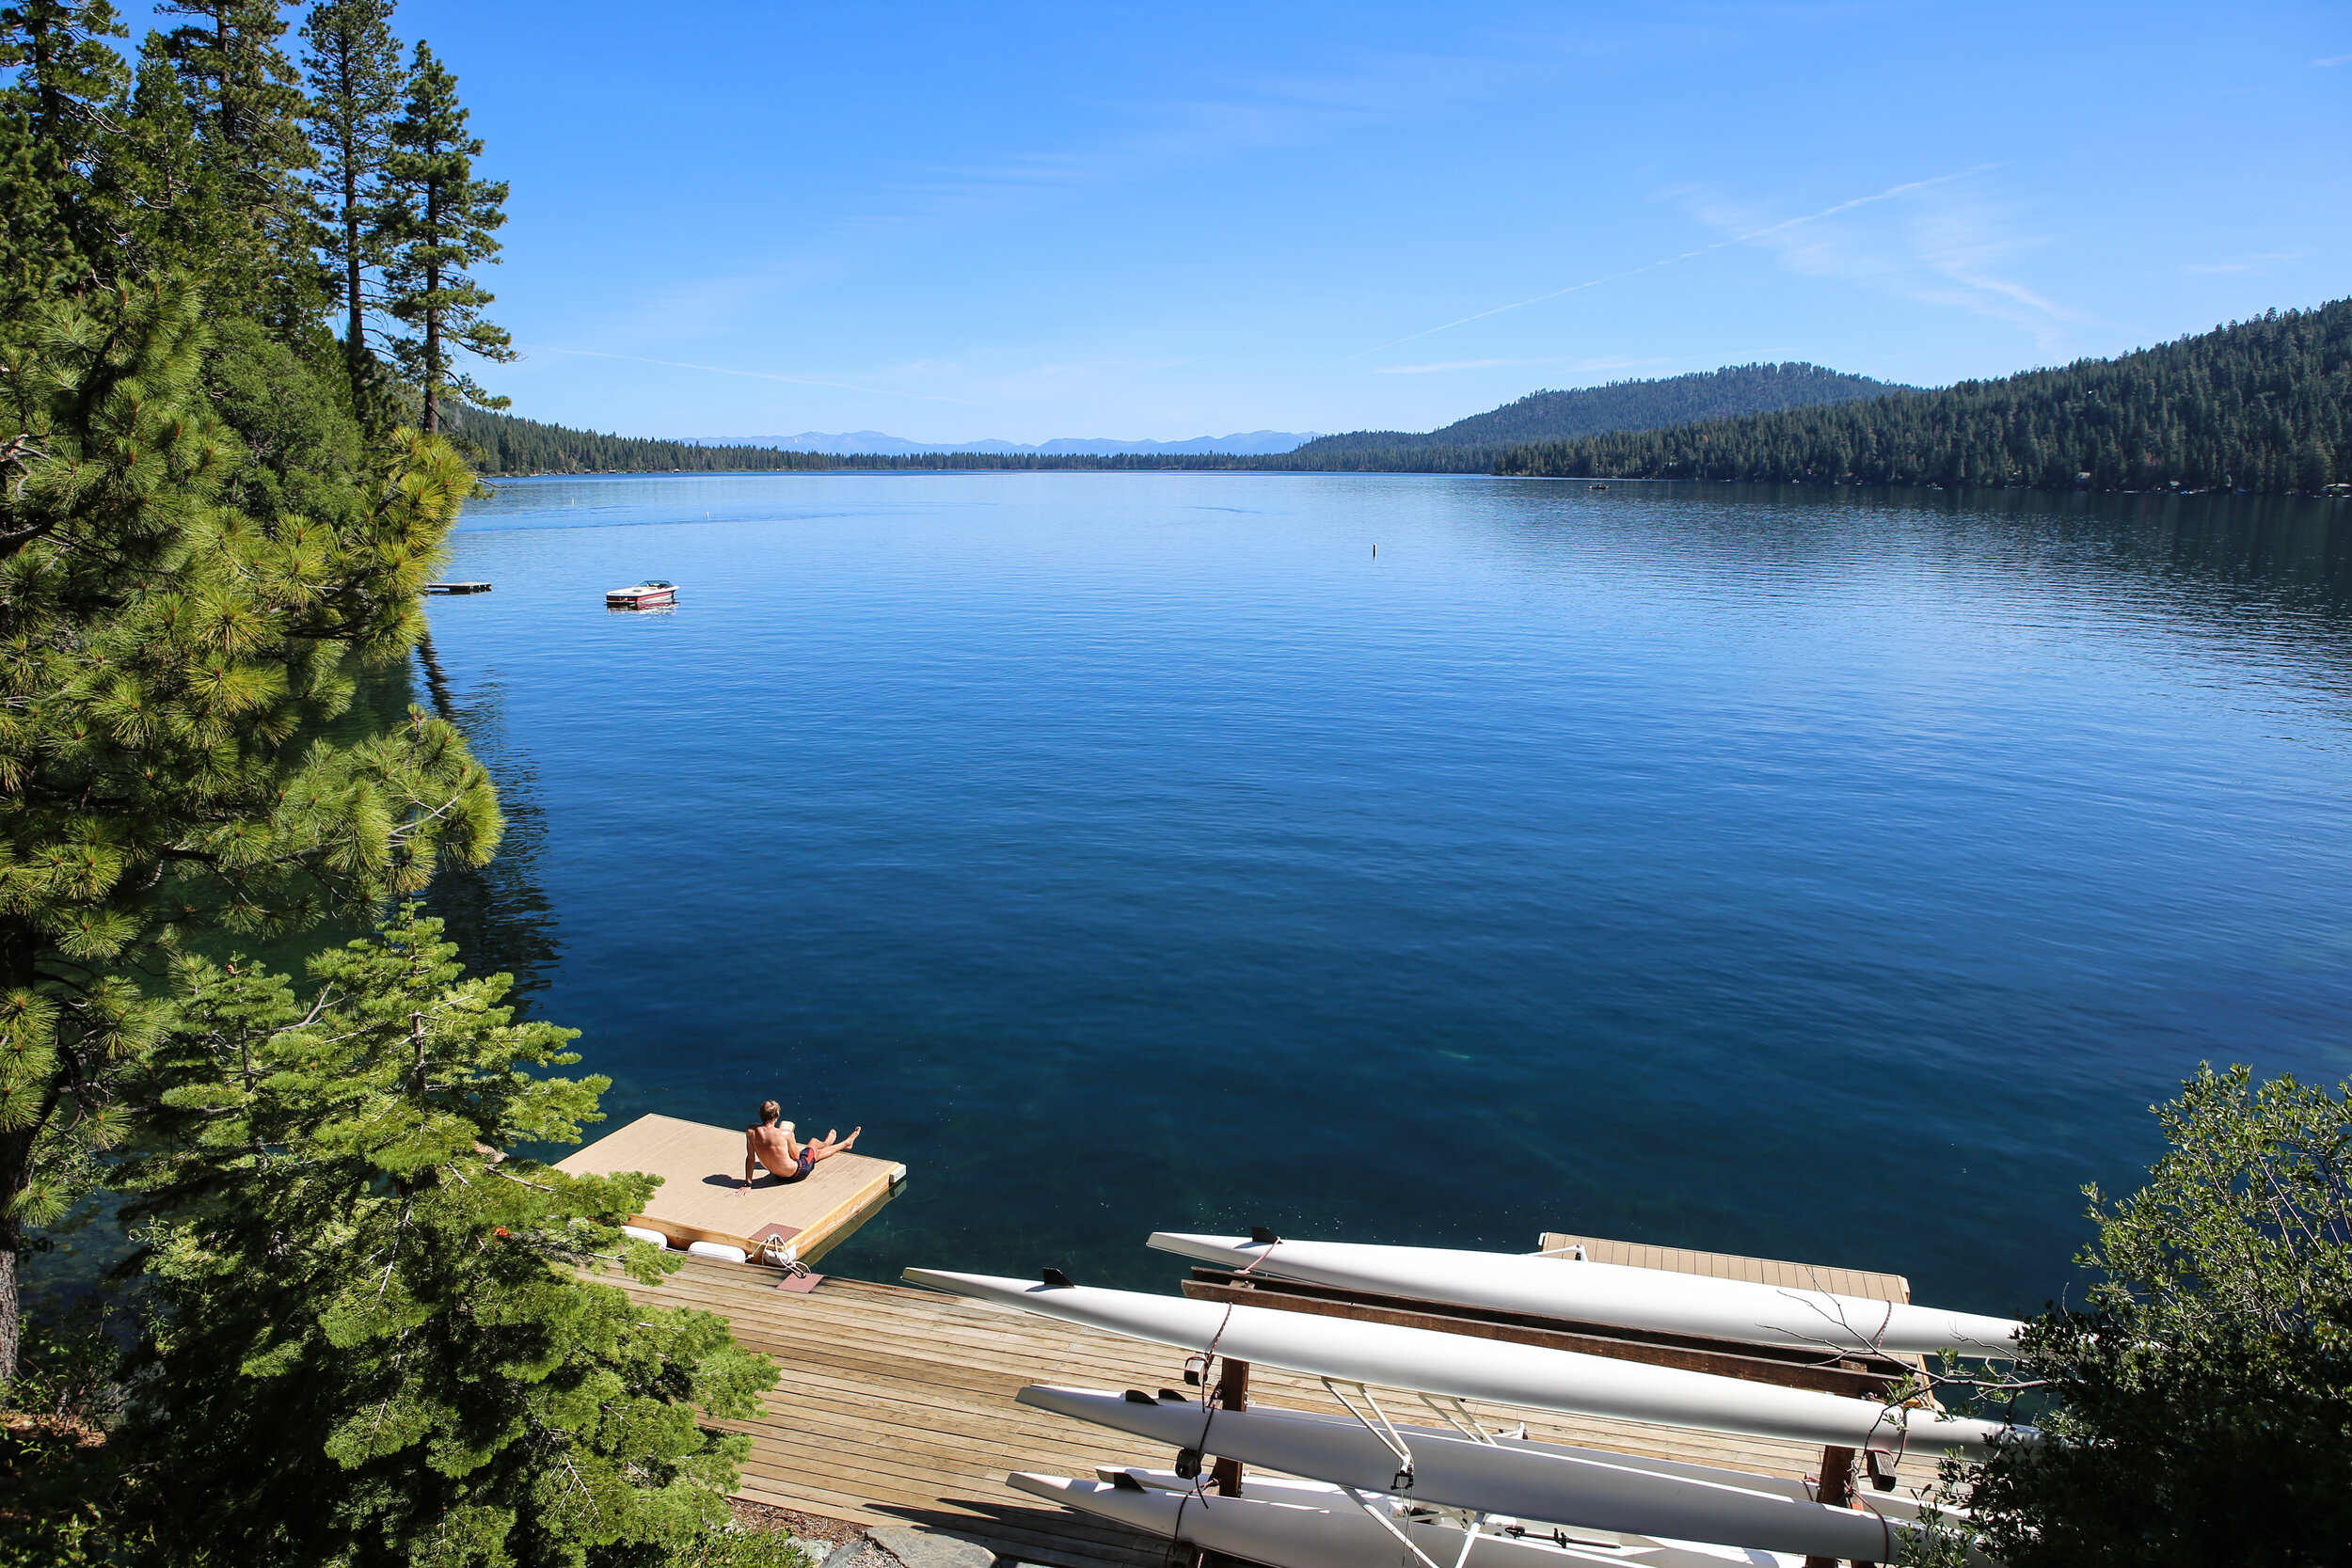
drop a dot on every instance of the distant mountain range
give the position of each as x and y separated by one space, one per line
1251 443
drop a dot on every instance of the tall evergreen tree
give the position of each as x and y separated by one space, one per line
440 220
166 663
246 100
246 89
356 88
375 1343
52 121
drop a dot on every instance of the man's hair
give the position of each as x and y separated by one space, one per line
768 1111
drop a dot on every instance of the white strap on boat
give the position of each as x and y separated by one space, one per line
1574 1252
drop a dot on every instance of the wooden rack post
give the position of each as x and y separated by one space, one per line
1837 1490
1233 1393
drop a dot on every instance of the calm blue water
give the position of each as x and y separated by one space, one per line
1827 875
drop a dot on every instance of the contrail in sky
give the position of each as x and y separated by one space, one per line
756 375
1888 195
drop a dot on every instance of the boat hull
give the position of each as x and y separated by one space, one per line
1310 1529
1493 1370
1653 1299
1582 1488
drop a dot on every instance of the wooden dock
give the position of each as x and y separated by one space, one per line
702 1198
896 1407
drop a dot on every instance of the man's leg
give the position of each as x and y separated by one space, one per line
823 1148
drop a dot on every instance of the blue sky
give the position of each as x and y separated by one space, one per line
1031 220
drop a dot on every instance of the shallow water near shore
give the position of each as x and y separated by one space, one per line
1828 875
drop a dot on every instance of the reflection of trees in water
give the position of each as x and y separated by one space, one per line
2211 565
497 915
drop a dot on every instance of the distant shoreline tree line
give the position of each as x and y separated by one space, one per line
2261 407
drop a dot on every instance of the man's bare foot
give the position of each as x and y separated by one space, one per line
851 1139
831 1134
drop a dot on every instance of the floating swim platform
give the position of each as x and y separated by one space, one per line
457 588
697 1201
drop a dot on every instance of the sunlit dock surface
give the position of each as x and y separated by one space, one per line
895 1406
702 1198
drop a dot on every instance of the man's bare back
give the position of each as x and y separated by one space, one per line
771 1144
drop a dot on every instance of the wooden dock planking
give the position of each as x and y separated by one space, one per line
1726 1265
699 1199
897 1408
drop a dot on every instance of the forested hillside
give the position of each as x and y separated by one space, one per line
2261 406
1592 410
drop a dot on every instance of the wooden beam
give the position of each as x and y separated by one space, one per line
1863 1377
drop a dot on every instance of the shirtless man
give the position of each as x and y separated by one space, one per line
772 1144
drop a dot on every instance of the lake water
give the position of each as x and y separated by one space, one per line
1835 875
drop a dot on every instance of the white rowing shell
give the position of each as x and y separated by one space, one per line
1583 1488
1655 1299
1466 1367
1296 1525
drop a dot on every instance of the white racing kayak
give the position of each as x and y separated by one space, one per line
1297 1525
1472 1368
1581 1488
1654 1299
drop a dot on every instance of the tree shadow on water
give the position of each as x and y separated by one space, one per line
499 915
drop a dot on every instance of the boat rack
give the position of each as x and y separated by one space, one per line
1790 1367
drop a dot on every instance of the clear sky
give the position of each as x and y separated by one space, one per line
1033 220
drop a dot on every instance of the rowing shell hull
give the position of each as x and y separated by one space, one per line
1582 1488
1466 1367
1654 1299
1310 1528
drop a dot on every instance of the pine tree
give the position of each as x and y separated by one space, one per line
247 102
376 1343
244 87
52 135
166 663
356 86
440 220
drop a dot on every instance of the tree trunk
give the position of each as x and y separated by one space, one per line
18 946
51 108
432 358
12 1309
355 333
433 310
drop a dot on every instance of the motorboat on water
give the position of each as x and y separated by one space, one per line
649 595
